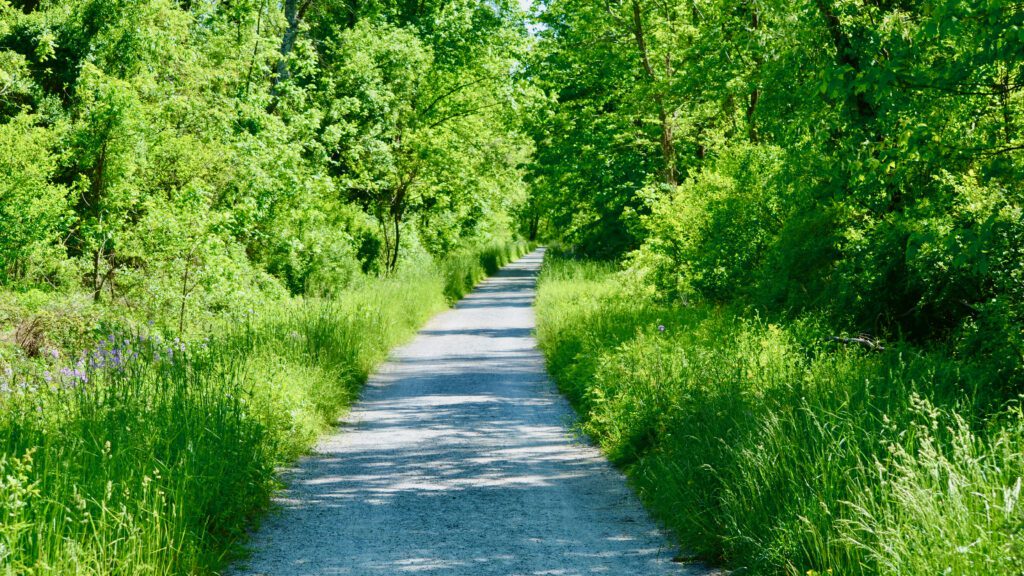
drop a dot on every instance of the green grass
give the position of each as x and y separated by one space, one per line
464 269
775 452
151 456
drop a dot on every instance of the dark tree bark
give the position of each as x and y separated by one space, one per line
1004 90
860 107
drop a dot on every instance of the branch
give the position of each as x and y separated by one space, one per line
998 151
641 43
463 114
611 12
861 340
454 90
956 87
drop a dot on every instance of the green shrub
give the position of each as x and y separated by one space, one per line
945 268
34 213
707 236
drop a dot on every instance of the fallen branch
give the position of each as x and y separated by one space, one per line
864 341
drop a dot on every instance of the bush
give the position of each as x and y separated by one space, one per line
707 237
33 211
944 269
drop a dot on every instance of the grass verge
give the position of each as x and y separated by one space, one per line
769 449
152 456
464 269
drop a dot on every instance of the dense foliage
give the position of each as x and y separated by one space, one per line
191 156
821 202
150 454
215 218
861 159
775 451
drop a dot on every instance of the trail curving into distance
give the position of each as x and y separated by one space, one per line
459 460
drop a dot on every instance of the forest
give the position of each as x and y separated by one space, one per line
784 288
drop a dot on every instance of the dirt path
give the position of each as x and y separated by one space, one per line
458 460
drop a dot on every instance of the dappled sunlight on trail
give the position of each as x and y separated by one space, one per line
460 459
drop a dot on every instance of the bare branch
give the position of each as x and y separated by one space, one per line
463 114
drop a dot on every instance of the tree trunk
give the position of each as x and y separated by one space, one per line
755 93
294 12
755 96
860 107
385 229
667 140
668 147
397 212
97 279
393 264
255 51
1009 126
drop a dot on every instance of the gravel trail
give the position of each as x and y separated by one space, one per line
459 460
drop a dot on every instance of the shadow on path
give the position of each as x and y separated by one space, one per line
459 460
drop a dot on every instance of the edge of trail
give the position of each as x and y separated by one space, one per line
460 459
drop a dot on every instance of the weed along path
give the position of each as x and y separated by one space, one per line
459 460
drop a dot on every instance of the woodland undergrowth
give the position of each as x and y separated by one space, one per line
776 450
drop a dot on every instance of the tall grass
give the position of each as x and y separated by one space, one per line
464 269
149 456
769 449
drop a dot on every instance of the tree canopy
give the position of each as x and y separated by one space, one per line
852 156
160 150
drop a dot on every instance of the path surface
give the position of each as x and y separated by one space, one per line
459 460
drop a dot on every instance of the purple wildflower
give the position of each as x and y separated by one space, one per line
74 376
661 327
